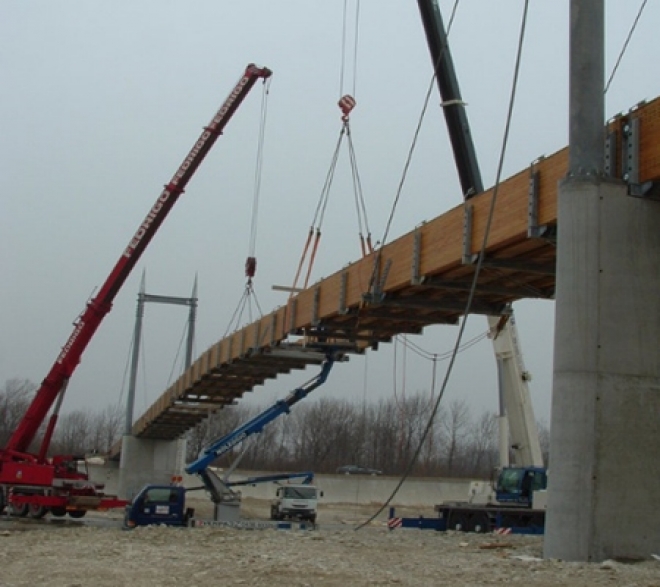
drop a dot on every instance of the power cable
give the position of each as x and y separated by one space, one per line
500 166
424 354
625 45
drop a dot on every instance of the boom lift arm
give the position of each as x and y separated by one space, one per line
224 444
85 326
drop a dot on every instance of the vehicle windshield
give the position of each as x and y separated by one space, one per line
300 492
509 480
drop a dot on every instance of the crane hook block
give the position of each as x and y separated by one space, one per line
346 104
250 267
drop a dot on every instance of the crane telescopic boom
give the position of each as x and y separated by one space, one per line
85 326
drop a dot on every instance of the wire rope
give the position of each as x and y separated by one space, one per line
126 367
625 45
411 150
178 353
486 236
258 171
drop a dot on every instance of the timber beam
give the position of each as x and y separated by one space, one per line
413 275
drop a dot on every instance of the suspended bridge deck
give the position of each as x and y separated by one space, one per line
420 279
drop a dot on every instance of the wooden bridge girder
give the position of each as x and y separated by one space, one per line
419 279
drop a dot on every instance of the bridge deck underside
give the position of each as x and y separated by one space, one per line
420 279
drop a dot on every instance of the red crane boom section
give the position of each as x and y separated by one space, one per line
87 323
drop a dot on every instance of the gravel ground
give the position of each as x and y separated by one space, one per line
75 555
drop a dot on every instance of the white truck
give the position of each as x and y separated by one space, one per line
299 501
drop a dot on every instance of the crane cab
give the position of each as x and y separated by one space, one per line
518 484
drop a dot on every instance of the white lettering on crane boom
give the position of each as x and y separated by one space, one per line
69 343
188 161
231 443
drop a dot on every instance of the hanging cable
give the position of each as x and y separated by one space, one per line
177 355
361 210
251 261
344 47
625 45
411 150
475 278
346 104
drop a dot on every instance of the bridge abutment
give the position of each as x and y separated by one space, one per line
603 474
147 461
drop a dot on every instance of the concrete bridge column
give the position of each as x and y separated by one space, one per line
604 484
147 461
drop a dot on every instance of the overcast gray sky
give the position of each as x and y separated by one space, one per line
102 101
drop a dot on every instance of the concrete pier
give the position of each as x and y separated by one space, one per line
145 461
603 482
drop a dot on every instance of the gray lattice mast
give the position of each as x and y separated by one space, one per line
143 297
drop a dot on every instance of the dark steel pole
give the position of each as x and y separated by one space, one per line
453 106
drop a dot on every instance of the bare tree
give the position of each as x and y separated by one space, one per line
106 428
320 428
73 434
454 428
15 398
481 453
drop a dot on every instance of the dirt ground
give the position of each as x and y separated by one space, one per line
76 554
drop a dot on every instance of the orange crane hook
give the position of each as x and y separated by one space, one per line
346 104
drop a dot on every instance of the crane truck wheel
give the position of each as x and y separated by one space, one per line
479 523
37 511
58 512
20 511
457 521
2 500
77 513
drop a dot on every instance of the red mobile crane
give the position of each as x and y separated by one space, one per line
36 483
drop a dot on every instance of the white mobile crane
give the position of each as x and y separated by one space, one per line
518 433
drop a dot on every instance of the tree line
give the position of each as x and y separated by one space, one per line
319 436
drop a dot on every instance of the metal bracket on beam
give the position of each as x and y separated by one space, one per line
468 256
630 151
630 162
534 229
383 278
343 286
242 346
273 326
378 285
293 305
315 306
257 334
415 278
610 153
